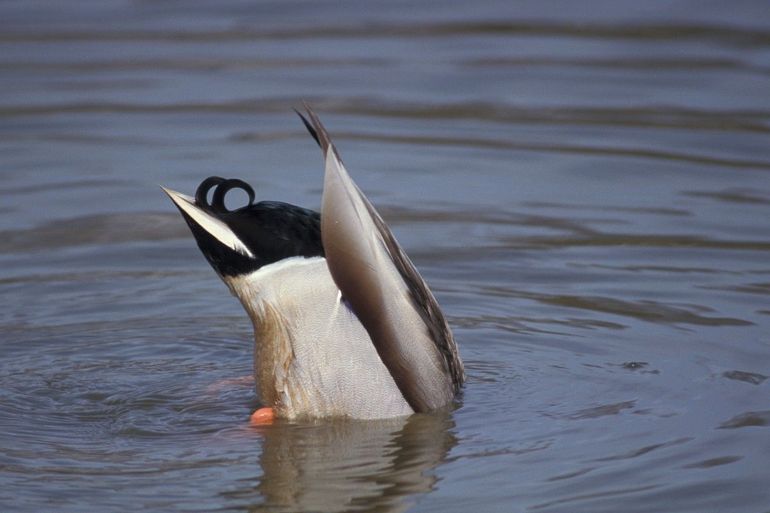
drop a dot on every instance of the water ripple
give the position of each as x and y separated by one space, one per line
651 311
646 32
652 116
748 419
94 229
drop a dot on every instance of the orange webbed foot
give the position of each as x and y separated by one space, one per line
262 417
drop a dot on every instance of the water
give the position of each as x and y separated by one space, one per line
586 186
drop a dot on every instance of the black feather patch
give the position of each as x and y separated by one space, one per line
271 230
309 127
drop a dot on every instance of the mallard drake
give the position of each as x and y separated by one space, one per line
344 324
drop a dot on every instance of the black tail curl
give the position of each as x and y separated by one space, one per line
222 187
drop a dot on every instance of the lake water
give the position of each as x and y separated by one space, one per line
585 185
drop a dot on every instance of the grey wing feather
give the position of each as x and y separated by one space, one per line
384 289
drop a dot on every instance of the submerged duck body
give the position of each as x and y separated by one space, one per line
344 325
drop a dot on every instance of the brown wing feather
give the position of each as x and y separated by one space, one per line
426 304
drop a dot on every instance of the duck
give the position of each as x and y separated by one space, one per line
344 324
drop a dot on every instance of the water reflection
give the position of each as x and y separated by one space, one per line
349 465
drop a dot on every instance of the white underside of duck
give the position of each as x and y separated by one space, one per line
312 356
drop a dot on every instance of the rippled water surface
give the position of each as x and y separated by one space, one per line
585 185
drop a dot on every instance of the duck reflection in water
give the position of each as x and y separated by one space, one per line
348 465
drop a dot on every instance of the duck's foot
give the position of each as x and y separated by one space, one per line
262 417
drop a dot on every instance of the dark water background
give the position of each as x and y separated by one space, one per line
586 186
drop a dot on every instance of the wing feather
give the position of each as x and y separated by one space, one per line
384 289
